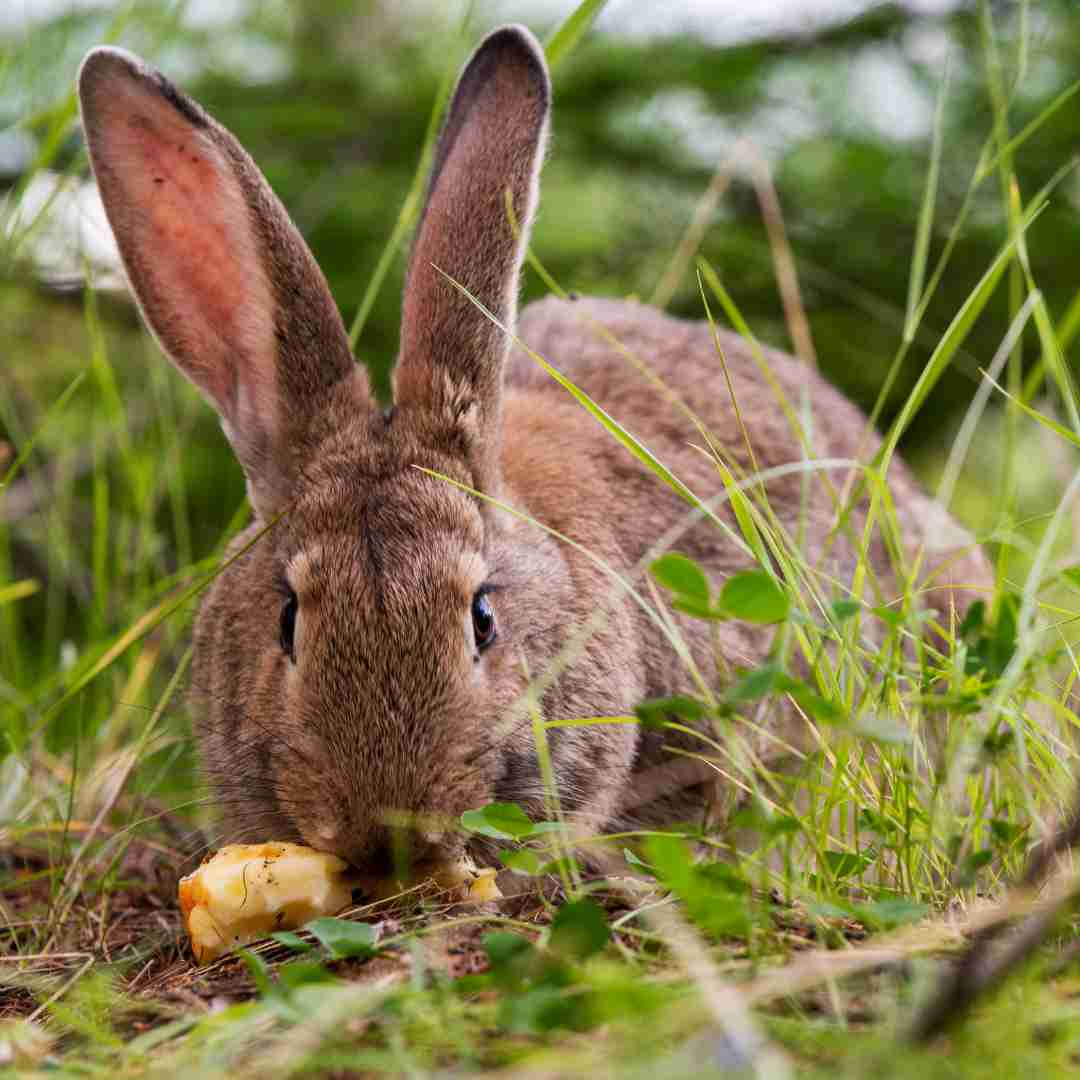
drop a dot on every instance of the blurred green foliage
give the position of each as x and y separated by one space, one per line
333 99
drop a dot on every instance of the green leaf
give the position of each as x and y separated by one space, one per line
696 609
926 216
971 627
890 913
971 866
762 819
542 828
889 616
997 742
635 862
564 866
540 1009
522 861
682 576
410 208
579 929
53 412
845 609
301 973
770 678
1005 832
781 825
1002 645
724 877
814 705
656 712
342 938
292 941
757 683
843 864
954 336
712 898
509 956
755 597
1057 429
687 582
259 971
823 909
500 821
877 823
1026 132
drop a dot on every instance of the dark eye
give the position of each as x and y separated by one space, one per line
288 625
483 620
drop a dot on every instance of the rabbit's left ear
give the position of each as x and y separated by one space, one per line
491 145
224 279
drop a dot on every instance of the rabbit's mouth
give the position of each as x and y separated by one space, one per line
453 881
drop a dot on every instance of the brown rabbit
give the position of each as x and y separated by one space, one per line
365 661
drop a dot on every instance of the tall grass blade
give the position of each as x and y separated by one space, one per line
921 254
1040 418
53 412
18 590
572 29
988 165
411 206
955 336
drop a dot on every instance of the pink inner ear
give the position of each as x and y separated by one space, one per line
185 232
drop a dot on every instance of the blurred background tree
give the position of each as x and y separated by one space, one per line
333 100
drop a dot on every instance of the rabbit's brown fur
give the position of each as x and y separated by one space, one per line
386 708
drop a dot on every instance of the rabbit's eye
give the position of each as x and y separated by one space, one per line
483 620
288 626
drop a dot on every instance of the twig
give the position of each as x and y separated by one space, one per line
980 968
787 279
744 1046
744 1043
695 233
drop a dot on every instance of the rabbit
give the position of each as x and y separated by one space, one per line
364 659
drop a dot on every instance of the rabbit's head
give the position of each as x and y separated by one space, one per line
359 660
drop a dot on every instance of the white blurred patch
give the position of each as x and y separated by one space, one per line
941 531
14 778
720 22
59 225
17 150
928 43
18 14
886 97
879 91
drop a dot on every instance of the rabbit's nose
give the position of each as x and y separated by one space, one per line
385 851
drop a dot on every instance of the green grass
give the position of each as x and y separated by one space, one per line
799 930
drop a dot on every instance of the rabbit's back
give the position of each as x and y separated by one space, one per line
601 345
605 345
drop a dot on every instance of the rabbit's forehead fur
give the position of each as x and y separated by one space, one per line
369 519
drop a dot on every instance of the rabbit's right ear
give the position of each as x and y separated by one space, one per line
491 147
223 278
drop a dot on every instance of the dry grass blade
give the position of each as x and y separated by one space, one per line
981 968
695 233
744 1046
787 279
